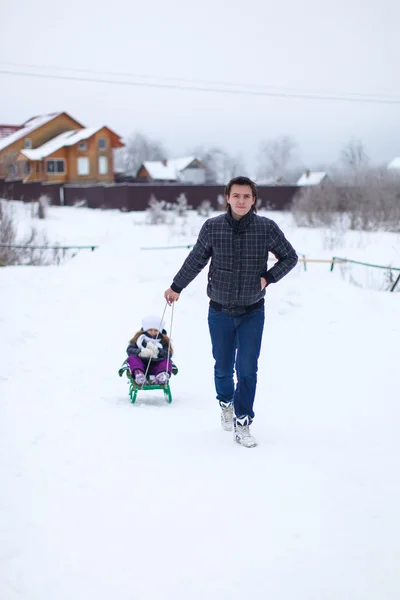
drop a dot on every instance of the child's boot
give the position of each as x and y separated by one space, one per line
140 378
161 378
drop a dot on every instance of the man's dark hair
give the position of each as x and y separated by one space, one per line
243 181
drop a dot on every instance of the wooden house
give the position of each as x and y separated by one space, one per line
32 134
58 149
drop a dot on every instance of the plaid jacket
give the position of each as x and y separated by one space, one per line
239 254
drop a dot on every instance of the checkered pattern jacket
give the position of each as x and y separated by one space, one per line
239 255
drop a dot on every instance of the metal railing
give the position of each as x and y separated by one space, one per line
49 247
336 259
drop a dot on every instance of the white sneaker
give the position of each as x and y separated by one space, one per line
242 433
226 415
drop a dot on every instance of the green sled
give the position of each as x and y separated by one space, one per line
134 388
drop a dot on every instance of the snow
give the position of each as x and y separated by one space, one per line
29 126
312 178
170 171
68 138
179 164
394 164
104 499
157 170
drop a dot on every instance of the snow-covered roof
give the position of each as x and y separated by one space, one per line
68 138
157 170
179 164
6 130
265 181
312 178
169 171
27 128
394 164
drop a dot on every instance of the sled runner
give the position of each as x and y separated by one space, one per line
134 387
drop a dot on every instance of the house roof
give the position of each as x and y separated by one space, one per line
6 130
68 138
170 171
266 180
26 129
311 178
394 164
157 170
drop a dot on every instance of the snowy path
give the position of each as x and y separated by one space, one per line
104 500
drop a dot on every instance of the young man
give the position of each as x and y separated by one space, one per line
238 243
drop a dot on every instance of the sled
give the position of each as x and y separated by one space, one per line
134 387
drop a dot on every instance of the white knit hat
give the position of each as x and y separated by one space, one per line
153 322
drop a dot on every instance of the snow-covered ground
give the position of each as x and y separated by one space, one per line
101 499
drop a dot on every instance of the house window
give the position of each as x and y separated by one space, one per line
102 144
83 166
82 146
103 165
28 143
11 170
27 168
55 166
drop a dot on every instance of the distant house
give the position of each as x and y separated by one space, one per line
184 170
56 148
6 130
312 178
31 134
77 156
394 165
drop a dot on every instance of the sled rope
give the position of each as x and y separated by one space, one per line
169 344
170 335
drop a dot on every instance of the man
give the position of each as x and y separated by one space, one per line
238 243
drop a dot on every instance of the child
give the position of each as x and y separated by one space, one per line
149 345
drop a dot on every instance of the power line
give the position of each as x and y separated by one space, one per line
197 81
277 94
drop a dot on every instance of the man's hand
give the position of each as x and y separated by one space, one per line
263 283
171 296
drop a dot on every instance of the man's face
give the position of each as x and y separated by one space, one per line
241 200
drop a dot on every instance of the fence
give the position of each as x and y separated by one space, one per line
136 196
336 259
30 258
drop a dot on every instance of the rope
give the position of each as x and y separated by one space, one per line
169 344
170 336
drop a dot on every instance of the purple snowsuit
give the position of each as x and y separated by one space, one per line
157 365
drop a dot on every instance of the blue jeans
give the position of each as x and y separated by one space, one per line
236 342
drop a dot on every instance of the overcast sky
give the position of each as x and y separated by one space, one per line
339 47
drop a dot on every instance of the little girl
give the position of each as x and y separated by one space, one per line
149 345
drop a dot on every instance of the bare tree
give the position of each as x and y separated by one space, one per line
9 167
275 159
371 203
220 165
138 149
316 206
24 251
354 158
43 206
